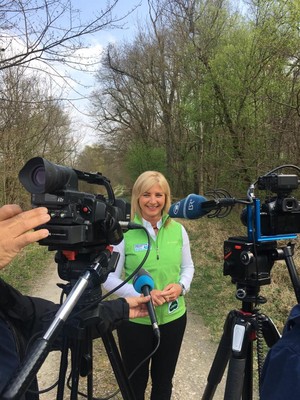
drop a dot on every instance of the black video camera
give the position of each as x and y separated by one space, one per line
280 215
278 218
79 221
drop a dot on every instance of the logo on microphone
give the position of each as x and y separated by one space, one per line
176 208
191 205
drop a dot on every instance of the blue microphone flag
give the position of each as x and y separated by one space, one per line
141 279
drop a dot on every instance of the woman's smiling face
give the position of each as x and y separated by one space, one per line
152 203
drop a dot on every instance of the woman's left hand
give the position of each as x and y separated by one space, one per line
157 297
171 292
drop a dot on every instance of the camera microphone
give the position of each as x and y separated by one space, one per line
196 206
143 283
130 225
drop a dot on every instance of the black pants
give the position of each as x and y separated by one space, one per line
137 341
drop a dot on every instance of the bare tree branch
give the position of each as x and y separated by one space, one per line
48 30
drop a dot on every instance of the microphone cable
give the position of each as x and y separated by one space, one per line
145 359
134 226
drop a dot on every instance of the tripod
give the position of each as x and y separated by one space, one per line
77 336
78 341
243 326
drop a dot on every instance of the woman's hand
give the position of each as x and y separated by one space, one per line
171 292
157 297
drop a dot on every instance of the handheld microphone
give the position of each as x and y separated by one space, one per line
143 283
190 207
196 206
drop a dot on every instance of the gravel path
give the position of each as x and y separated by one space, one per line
194 363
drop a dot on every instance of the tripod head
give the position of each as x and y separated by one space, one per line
249 264
71 265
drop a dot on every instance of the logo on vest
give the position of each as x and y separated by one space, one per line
173 306
141 247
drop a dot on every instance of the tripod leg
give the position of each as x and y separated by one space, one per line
117 365
86 363
248 379
76 358
221 359
62 370
239 375
90 373
288 255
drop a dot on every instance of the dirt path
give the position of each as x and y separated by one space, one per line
194 362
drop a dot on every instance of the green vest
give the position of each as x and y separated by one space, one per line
163 264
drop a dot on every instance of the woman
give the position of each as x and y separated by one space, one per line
171 267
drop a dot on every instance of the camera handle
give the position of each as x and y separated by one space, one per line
18 385
236 344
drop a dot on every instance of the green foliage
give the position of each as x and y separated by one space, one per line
142 158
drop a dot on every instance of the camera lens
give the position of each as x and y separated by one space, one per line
290 204
39 176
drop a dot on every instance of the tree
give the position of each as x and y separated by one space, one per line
217 90
38 36
49 31
140 158
31 124
140 95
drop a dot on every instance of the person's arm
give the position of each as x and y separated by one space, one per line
114 278
187 265
113 312
173 290
16 230
33 315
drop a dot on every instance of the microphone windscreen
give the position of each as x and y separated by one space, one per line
190 207
141 279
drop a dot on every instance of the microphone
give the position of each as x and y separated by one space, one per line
126 225
196 206
143 283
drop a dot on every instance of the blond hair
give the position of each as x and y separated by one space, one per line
145 182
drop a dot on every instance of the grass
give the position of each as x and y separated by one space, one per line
27 267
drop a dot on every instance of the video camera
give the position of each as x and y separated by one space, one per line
249 260
278 218
79 221
82 228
